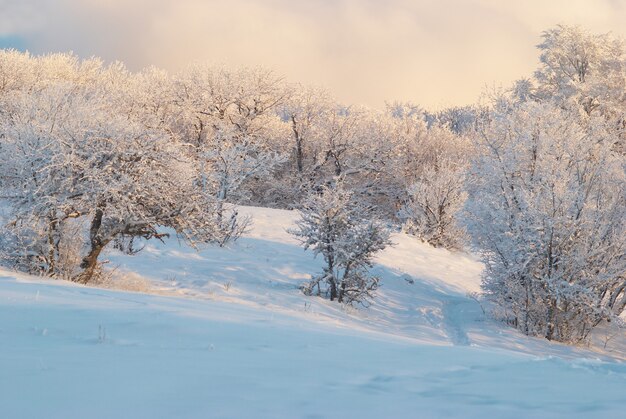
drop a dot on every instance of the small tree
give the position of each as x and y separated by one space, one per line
333 225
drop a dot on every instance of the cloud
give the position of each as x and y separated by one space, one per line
18 16
431 52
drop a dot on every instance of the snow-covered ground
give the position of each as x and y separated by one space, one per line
225 332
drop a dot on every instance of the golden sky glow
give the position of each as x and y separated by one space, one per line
432 52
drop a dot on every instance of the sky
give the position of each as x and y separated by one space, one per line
434 53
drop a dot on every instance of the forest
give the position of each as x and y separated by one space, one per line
531 178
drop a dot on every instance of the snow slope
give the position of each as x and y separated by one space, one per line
225 332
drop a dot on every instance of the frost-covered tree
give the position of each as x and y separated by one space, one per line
71 153
425 172
17 71
337 138
336 227
459 119
229 122
546 203
303 113
584 68
38 175
433 203
304 110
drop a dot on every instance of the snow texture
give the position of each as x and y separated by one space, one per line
225 332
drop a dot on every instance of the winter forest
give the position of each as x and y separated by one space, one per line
531 179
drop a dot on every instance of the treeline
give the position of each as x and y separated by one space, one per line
88 146
533 179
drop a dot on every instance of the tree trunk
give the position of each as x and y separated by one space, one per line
333 290
342 292
551 320
342 289
53 243
337 166
90 263
527 305
299 152
97 243
613 299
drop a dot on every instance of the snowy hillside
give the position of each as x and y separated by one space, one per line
225 332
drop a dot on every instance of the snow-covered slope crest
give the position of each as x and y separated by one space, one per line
230 335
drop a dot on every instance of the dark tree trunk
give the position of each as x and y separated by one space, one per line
97 243
299 152
613 299
342 288
338 169
90 263
333 290
551 320
53 243
330 274
342 291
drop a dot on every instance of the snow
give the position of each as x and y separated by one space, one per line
225 332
